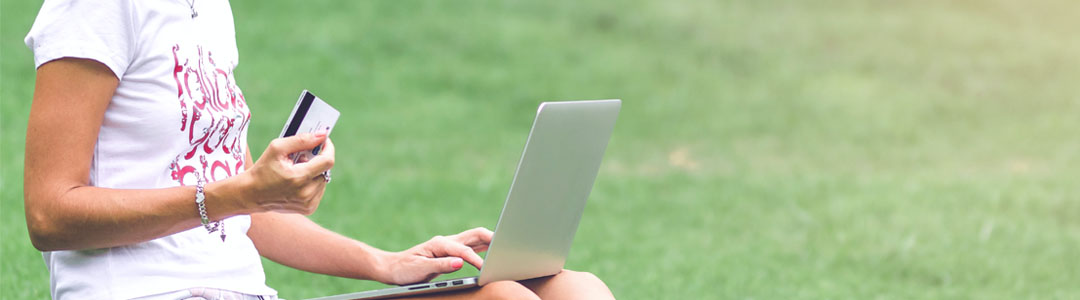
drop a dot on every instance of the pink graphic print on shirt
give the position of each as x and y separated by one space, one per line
213 116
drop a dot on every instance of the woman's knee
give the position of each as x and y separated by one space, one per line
569 285
506 290
580 277
577 280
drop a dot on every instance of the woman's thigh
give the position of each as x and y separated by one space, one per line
569 285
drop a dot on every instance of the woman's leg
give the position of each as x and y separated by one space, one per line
569 285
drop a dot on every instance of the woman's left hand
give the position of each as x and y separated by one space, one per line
440 254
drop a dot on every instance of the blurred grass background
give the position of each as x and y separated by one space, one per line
766 149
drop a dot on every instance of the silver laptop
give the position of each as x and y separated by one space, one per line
547 197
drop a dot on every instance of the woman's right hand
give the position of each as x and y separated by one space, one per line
274 183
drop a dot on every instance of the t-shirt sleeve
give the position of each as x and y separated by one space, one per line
100 30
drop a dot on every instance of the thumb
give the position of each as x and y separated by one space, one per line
297 143
446 264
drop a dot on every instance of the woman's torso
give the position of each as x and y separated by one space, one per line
177 117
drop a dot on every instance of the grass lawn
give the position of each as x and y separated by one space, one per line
766 149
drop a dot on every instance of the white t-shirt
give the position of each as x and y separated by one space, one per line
177 115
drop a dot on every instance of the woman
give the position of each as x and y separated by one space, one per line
139 182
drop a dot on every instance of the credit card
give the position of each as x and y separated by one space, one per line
310 115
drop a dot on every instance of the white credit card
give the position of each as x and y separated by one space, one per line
310 114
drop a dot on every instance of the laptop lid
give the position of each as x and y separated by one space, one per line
547 196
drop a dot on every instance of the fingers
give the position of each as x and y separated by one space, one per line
315 166
479 249
468 255
282 147
429 268
328 148
444 246
320 163
443 254
477 238
417 265
281 185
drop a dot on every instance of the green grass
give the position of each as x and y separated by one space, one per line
766 149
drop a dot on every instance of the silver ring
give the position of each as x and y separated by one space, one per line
326 176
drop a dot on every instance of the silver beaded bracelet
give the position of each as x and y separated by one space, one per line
200 201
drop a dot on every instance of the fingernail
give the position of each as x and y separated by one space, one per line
456 263
322 133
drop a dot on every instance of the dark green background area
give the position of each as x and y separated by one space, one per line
766 149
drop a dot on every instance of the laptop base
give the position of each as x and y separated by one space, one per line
409 290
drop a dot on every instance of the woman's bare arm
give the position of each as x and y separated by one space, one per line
296 241
63 212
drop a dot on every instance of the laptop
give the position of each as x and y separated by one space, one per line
547 197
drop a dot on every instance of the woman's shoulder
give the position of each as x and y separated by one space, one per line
120 33
98 30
